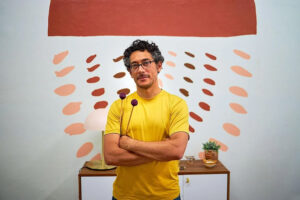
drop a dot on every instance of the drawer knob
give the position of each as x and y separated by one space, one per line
187 180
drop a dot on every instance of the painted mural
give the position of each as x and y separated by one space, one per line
185 70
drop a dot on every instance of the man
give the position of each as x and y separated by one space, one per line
146 141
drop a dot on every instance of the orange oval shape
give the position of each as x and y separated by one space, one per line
223 146
118 59
94 79
93 68
91 58
98 92
201 155
64 71
210 68
184 92
190 66
71 108
189 54
211 56
169 76
196 117
100 104
237 108
209 81
84 150
119 75
172 53
124 90
238 91
191 129
204 106
58 58
160 83
75 129
65 90
170 63
96 157
231 129
187 79
207 92
241 54
241 71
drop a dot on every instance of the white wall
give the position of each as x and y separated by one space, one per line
38 159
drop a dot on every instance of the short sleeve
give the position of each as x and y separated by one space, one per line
179 120
113 119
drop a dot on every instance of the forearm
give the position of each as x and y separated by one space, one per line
121 157
114 155
171 149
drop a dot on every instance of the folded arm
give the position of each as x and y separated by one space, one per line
114 155
170 149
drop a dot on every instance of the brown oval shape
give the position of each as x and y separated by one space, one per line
184 92
204 106
196 117
191 129
101 104
210 68
98 92
209 81
190 66
211 56
189 54
119 75
93 68
207 92
187 79
94 79
118 59
91 58
124 90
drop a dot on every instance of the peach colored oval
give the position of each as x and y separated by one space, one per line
223 146
75 129
64 71
160 83
241 54
65 90
97 157
169 76
84 150
201 155
58 58
238 91
96 120
172 53
71 108
231 129
237 108
241 71
171 64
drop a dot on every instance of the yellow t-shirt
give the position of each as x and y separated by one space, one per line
152 120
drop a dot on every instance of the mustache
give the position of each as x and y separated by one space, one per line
143 76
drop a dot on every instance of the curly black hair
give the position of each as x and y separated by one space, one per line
142 45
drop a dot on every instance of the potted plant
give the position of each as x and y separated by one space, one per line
211 149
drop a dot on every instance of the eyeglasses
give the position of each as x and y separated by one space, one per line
145 64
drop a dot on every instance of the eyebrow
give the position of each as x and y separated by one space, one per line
145 59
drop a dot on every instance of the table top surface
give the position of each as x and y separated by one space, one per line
186 167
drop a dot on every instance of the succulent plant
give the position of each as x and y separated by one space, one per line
211 145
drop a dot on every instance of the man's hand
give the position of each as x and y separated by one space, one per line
126 142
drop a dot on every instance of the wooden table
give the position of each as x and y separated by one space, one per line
188 168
